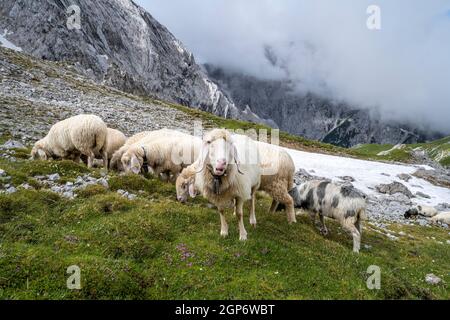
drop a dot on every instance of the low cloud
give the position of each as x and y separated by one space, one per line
324 46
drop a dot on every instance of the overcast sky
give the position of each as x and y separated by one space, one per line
325 46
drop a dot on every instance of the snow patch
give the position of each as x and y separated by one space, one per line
179 46
369 174
6 43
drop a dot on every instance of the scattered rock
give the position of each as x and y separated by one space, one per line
12 144
393 188
26 186
126 194
68 194
2 173
103 182
347 179
432 279
405 177
54 177
439 177
422 195
11 190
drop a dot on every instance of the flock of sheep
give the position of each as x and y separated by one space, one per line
227 169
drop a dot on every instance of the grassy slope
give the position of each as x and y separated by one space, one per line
133 249
438 150
155 248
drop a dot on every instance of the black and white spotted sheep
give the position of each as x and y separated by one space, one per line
343 203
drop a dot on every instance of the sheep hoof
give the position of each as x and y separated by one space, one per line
224 234
243 237
324 232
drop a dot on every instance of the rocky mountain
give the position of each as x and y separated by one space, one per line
312 116
118 43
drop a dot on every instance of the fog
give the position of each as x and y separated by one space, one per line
325 47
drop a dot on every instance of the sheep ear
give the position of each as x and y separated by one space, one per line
236 158
42 154
192 192
135 165
203 156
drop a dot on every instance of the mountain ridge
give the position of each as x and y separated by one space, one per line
142 57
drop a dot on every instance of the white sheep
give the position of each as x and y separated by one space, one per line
420 210
116 162
78 135
327 199
228 174
166 156
443 217
277 178
115 139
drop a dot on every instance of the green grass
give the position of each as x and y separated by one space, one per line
156 248
438 150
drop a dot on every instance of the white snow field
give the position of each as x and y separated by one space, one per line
368 174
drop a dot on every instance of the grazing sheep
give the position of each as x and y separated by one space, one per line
115 139
229 174
419 210
277 178
116 162
443 217
327 199
167 156
185 183
70 138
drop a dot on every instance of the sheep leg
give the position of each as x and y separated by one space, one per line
312 216
91 158
105 160
279 193
274 206
356 236
240 215
253 208
323 227
358 225
223 224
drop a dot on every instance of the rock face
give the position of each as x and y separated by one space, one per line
119 44
393 188
312 116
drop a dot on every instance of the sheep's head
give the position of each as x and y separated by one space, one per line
219 151
411 213
39 151
132 161
185 186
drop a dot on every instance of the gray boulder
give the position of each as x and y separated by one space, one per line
393 188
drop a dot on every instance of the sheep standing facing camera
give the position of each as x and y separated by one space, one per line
327 199
228 174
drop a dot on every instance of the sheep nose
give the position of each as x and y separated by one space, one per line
221 164
181 199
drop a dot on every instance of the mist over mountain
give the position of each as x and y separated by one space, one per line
313 116
324 47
